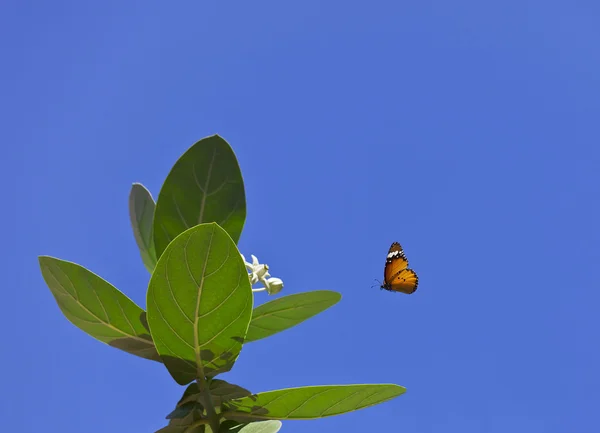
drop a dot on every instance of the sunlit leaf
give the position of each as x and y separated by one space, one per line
199 303
141 214
288 311
310 402
205 185
271 426
97 307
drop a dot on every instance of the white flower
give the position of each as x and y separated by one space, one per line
260 272
257 270
273 285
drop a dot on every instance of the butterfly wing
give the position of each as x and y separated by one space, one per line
397 277
406 281
395 262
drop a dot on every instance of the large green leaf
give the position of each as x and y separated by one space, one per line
283 313
141 214
309 402
199 303
97 307
204 185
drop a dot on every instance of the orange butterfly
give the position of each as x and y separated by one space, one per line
396 275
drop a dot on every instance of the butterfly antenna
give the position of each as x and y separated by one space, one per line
376 285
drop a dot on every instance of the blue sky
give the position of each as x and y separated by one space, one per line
466 130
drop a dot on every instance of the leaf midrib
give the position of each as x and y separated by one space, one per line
145 242
205 191
256 416
270 313
199 366
76 299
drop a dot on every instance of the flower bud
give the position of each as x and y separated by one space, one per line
274 285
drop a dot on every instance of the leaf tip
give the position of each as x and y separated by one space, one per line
43 258
400 389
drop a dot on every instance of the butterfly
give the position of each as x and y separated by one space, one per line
397 277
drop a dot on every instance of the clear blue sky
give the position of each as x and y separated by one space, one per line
466 130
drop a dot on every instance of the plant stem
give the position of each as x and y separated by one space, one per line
211 415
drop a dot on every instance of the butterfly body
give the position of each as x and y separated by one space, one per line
397 277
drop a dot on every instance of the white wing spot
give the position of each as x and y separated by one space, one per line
394 254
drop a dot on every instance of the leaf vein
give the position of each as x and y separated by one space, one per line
167 323
338 402
226 327
171 292
181 217
220 187
234 209
228 296
306 401
296 307
368 397
84 308
204 196
93 290
125 315
199 366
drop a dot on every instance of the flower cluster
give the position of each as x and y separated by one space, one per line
260 272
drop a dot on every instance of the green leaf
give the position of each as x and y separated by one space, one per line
97 307
199 303
184 410
191 394
220 391
205 185
141 214
288 311
310 402
192 421
254 427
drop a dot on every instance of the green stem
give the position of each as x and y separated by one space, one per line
211 415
